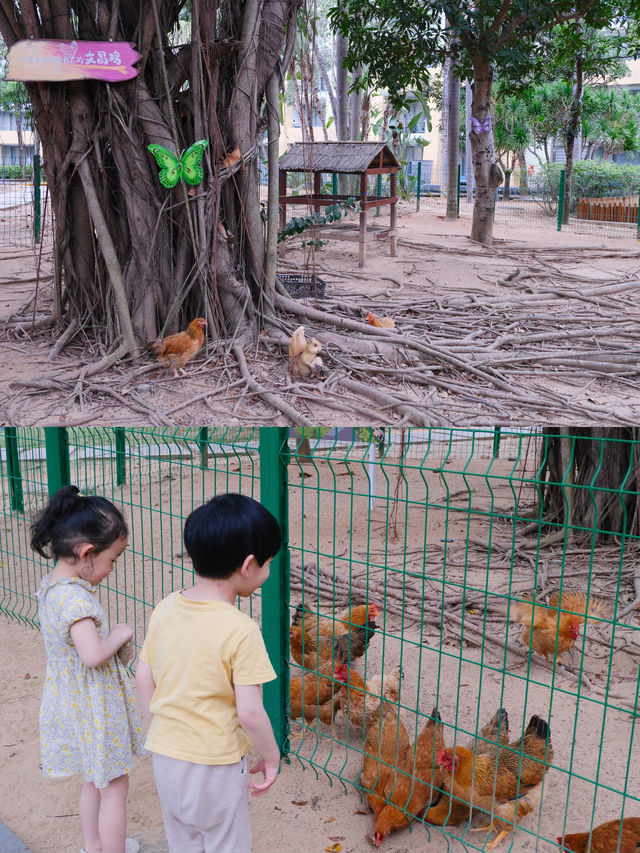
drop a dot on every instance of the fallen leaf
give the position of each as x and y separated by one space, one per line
334 848
299 802
330 820
232 158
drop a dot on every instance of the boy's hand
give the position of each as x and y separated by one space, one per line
270 772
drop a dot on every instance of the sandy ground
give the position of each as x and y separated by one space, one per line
404 554
43 812
435 259
305 812
301 813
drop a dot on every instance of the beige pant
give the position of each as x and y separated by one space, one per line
205 807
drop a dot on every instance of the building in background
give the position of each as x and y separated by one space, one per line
9 146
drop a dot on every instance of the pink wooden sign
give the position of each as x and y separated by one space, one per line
57 61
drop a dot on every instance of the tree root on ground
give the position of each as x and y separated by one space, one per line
533 348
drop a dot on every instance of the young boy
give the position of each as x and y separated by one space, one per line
199 677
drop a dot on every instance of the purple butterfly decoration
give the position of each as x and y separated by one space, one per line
481 126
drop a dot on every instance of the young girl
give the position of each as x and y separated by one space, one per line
89 720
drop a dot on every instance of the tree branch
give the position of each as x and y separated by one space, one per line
105 241
510 29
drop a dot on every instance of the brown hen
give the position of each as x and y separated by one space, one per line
543 624
309 693
176 350
448 812
487 781
385 749
413 791
604 838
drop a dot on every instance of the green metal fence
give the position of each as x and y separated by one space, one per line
25 206
608 208
446 532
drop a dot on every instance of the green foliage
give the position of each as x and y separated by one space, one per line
15 99
402 41
544 187
333 213
14 173
591 179
610 121
598 179
315 433
511 130
610 117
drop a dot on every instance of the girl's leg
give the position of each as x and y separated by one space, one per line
112 817
89 809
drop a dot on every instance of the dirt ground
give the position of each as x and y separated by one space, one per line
426 552
540 327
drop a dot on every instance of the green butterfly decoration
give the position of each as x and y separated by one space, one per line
187 167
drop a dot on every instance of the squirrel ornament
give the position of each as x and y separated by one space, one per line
304 360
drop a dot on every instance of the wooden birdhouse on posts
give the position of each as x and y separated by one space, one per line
366 159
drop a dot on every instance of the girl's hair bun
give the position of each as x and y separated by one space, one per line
65 501
70 519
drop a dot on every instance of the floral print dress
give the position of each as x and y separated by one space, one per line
89 719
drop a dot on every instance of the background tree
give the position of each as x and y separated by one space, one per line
14 99
611 122
590 484
511 134
133 258
402 40
577 55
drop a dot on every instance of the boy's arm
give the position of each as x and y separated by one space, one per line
255 722
145 687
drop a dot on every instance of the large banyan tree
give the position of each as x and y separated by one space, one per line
134 259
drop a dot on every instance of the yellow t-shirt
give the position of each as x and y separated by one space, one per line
197 651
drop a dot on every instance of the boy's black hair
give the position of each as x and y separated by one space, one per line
70 519
222 533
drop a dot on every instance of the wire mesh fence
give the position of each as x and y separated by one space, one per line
449 590
603 200
25 207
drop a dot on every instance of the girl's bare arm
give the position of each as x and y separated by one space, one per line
92 650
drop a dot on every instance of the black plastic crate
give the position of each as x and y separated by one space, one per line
300 285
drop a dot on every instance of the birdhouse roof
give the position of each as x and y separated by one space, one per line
345 157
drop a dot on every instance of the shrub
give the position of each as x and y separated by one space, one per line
590 179
599 179
13 173
544 186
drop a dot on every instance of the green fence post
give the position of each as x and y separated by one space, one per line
561 200
275 592
458 194
638 223
378 191
419 187
203 442
121 456
37 214
334 186
496 442
56 443
14 474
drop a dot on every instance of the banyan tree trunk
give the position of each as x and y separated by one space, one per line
486 172
137 259
587 481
